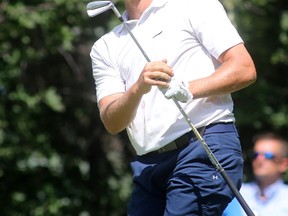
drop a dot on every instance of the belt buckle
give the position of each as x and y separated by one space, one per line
169 147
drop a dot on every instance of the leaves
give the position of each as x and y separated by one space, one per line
53 100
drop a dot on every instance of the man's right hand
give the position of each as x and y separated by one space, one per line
156 73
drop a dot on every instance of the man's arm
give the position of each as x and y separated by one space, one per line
237 71
118 110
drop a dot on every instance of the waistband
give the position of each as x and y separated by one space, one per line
220 127
184 140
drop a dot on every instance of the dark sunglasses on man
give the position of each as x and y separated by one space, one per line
267 155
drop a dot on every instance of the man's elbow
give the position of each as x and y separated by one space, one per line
114 131
112 128
251 75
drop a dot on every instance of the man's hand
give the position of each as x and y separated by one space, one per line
177 89
160 74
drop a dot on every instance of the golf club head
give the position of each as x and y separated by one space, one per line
97 7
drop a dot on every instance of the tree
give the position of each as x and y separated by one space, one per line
53 148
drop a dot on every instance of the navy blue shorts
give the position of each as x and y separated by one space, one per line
184 182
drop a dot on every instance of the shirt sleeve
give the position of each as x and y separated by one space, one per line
212 27
107 77
233 209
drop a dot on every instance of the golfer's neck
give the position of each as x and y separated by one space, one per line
135 8
266 182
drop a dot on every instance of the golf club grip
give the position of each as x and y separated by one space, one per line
237 194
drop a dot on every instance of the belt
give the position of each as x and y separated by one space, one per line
178 143
185 139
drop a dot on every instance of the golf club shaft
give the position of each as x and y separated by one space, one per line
135 40
130 33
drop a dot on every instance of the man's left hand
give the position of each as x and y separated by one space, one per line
177 89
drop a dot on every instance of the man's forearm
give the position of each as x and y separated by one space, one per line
118 110
236 72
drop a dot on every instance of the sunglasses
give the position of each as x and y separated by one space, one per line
267 155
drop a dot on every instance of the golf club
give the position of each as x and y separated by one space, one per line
97 7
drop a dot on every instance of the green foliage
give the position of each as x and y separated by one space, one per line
51 156
55 155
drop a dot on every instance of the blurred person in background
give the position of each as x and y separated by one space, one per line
267 195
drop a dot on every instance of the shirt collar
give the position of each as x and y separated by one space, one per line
154 5
158 3
271 190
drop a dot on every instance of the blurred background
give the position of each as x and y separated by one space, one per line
55 156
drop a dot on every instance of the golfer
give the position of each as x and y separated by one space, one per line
197 58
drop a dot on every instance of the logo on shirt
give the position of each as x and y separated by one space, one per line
157 34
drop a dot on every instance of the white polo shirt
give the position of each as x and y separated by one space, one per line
191 35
